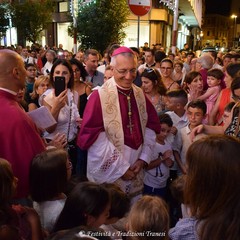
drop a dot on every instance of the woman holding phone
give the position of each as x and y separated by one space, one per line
62 103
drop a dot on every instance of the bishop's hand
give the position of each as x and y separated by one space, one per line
128 175
138 166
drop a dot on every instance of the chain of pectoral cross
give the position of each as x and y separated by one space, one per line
130 125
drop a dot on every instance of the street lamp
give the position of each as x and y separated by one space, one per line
235 25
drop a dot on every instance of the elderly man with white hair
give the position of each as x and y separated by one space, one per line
119 128
204 63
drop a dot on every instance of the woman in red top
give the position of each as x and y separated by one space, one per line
225 96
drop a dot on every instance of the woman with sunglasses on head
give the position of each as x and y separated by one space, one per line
154 88
166 69
231 127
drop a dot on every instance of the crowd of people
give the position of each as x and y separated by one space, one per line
142 144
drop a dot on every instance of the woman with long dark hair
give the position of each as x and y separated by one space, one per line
64 107
154 88
211 190
87 205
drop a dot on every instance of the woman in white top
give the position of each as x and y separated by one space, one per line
63 107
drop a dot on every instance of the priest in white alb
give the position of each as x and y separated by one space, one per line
119 128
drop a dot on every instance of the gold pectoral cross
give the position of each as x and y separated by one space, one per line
130 126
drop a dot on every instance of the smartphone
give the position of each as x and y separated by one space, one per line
59 84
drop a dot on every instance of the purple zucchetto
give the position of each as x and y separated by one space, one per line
122 50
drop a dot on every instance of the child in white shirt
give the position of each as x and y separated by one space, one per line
157 172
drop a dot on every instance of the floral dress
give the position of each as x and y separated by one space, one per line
233 128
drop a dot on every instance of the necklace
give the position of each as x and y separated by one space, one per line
152 98
130 125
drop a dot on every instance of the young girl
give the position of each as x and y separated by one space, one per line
49 173
88 205
157 172
211 190
177 191
214 78
16 222
148 219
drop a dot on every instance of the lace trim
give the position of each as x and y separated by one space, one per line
107 164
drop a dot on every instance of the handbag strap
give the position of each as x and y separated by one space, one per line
69 123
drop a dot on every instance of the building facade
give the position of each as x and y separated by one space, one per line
217 31
155 28
235 22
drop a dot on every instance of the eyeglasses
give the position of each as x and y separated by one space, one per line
125 71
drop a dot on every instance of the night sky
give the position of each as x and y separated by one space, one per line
218 6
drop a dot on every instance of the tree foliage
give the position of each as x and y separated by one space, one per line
101 23
4 22
31 17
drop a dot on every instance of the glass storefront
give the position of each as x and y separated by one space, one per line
11 37
132 34
62 36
